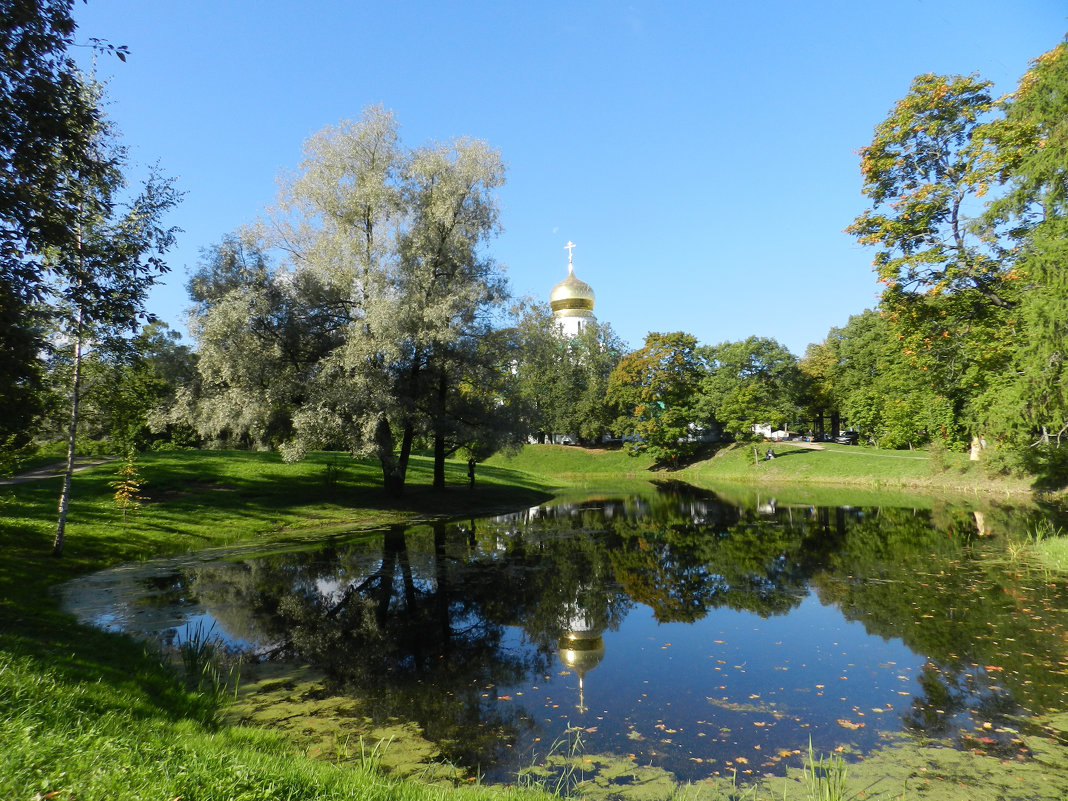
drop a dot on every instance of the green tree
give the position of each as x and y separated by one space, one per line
656 390
261 332
750 382
563 381
1029 405
48 126
923 167
949 297
539 356
102 279
141 385
375 318
876 386
817 368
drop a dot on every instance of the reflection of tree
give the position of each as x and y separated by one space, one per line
692 554
988 631
422 622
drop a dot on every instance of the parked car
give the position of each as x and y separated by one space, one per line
847 438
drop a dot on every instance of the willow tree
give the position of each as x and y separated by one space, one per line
382 253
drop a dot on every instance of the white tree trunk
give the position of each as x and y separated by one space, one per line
72 434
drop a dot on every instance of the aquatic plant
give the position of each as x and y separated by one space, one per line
559 773
825 777
206 666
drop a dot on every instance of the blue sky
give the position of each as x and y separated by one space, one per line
701 155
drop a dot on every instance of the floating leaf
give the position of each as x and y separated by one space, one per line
848 724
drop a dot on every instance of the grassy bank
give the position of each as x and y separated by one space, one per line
90 715
795 464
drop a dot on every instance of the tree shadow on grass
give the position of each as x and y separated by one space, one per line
791 452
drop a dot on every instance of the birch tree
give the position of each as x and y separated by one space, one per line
101 282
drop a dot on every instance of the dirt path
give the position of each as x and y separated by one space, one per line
815 446
56 469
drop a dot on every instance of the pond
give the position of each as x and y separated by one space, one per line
678 628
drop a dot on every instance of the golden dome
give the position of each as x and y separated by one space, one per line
571 298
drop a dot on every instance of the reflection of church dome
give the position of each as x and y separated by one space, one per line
581 649
581 655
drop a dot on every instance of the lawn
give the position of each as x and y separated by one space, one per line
795 464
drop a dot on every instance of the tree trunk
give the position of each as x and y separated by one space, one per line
392 472
72 435
439 434
439 461
405 452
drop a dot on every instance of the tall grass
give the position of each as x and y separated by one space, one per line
825 777
558 773
207 666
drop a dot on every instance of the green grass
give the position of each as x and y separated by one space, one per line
573 465
846 466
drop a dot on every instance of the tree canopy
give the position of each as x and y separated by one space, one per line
375 324
656 390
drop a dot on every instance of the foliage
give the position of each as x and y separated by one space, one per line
1030 403
50 120
969 218
948 296
923 166
874 386
261 331
656 391
751 382
561 383
102 282
128 487
374 327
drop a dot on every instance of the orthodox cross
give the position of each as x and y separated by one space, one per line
570 246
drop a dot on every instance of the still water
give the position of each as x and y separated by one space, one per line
675 627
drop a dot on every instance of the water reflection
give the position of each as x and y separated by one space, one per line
675 627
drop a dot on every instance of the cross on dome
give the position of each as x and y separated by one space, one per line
570 246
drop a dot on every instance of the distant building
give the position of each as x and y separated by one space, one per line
572 300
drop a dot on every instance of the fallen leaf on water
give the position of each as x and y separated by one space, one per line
848 724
